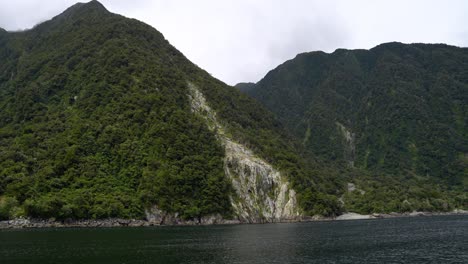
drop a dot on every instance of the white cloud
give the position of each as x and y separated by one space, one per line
241 40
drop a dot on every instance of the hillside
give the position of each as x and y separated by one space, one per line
245 87
101 117
396 112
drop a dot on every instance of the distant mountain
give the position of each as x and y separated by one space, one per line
101 117
245 87
396 109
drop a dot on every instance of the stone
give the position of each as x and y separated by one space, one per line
263 194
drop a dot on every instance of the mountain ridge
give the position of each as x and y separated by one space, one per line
101 117
97 122
396 109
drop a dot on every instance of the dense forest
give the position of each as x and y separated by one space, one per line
95 122
395 116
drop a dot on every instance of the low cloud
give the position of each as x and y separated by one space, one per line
241 40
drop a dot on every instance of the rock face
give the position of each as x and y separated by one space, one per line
156 216
354 216
349 144
262 193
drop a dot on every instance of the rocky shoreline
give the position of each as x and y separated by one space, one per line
106 223
354 216
115 222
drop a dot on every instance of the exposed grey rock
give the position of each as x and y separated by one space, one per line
354 216
155 216
415 213
208 220
351 187
460 211
263 194
350 146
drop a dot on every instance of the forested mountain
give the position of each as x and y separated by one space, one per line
245 87
102 117
396 109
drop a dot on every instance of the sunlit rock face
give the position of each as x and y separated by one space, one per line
262 194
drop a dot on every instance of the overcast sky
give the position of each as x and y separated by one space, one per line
241 40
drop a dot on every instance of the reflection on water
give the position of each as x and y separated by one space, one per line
405 240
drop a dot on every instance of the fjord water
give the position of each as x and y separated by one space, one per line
436 239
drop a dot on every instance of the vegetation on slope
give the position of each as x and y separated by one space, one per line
245 87
396 114
95 122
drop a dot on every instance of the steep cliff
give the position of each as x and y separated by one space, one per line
262 193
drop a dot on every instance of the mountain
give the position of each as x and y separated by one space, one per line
245 87
396 109
101 117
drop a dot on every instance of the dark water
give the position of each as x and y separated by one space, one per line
441 239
